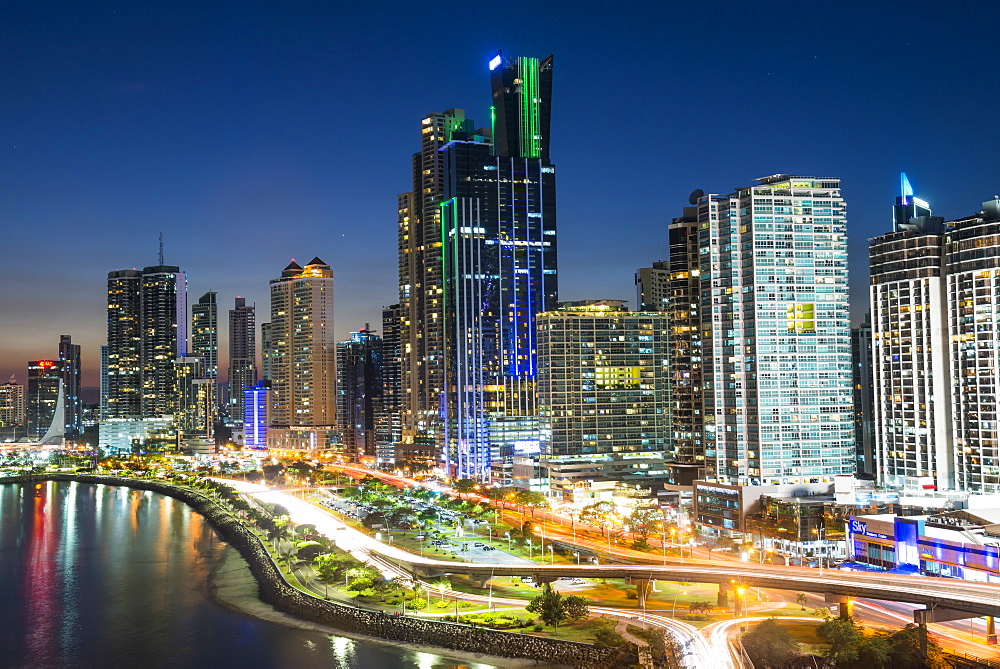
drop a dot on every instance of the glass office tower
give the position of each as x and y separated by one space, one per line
477 263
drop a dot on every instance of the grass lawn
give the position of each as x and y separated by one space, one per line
804 635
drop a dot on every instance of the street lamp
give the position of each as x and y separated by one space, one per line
677 592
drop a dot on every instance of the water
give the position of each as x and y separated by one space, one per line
104 576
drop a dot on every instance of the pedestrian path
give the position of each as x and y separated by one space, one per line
645 656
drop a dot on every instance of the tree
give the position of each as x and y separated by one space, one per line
641 522
769 645
597 514
532 499
427 516
442 584
550 606
907 652
844 636
463 486
577 608
330 566
308 550
801 600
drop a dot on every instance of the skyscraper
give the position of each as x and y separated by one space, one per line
776 399
124 367
303 350
205 334
910 347
603 382
44 383
147 331
686 355
864 397
69 359
359 392
392 387
12 409
652 286
972 261
477 263
242 356
163 298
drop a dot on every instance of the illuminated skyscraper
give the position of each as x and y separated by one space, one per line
124 369
776 399
205 334
909 330
972 261
12 409
303 349
163 293
242 356
69 359
359 392
603 382
44 383
147 331
477 263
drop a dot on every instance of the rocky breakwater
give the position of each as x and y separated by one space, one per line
276 591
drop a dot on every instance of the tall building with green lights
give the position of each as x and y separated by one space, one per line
477 263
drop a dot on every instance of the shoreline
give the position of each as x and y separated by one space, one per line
291 607
233 585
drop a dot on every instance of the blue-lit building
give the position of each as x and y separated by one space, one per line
956 544
477 263
255 416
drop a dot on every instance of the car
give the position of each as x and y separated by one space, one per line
479 544
489 548
578 581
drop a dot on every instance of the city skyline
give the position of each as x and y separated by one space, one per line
143 121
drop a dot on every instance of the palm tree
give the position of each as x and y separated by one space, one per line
801 600
442 584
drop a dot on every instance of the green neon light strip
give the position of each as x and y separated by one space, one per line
530 144
493 128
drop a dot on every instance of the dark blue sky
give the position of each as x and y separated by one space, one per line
251 133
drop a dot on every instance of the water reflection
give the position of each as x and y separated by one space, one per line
104 576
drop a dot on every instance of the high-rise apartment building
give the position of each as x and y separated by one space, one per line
12 404
195 401
864 397
205 334
652 287
147 331
163 318
69 359
124 367
477 263
242 356
390 430
684 308
972 294
303 348
45 379
266 351
910 347
776 393
359 393
603 382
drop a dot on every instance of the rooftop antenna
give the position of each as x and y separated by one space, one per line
161 249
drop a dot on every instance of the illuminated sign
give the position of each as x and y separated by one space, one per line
860 527
46 363
495 63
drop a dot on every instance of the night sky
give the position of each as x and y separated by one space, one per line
251 133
